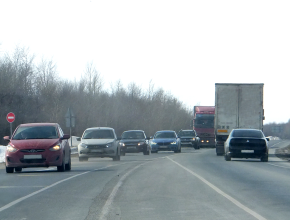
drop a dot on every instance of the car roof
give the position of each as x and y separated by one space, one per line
38 124
134 130
246 129
165 131
100 128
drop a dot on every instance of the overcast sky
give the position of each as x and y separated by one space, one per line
185 47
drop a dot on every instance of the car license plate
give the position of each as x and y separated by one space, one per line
131 147
163 147
35 156
247 151
96 151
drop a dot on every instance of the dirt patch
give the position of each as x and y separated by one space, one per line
283 153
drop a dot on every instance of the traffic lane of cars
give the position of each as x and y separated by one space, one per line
204 161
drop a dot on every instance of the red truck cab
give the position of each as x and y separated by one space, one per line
203 124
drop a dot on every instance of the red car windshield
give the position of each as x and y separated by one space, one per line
37 132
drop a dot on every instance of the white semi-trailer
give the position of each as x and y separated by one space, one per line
237 106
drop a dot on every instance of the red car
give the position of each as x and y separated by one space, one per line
38 145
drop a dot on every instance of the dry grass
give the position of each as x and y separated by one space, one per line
283 153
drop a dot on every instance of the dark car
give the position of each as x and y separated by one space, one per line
38 145
189 137
165 141
134 141
246 143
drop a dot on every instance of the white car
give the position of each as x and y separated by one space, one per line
99 142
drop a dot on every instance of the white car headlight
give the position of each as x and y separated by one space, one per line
141 143
11 148
83 145
55 148
174 142
153 143
109 144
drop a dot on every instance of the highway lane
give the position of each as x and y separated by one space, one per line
195 184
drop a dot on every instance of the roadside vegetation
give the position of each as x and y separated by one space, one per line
35 92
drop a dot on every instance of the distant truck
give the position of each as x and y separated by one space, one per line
237 106
203 124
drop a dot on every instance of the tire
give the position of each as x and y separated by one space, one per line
9 169
81 159
264 158
147 152
61 168
228 157
117 157
68 165
18 169
123 153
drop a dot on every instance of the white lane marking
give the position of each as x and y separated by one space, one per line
278 165
278 143
4 187
61 181
236 202
48 187
107 206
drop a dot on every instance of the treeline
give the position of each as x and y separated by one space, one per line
281 130
35 92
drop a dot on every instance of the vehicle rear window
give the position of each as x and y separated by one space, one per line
35 132
133 135
165 135
247 133
98 134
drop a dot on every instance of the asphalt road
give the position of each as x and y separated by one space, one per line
195 184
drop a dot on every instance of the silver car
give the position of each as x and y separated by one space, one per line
246 143
99 142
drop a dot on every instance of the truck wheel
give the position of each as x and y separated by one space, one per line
227 157
264 158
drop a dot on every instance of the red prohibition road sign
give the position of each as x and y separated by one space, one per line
10 117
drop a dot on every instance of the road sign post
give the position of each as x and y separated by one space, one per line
70 121
10 118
